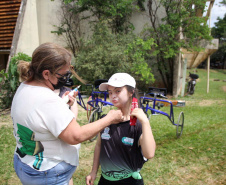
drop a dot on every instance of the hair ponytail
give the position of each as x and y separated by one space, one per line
23 68
134 92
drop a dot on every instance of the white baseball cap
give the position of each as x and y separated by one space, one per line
118 80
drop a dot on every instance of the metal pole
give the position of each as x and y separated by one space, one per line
208 61
208 74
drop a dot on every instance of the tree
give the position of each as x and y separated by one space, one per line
116 12
112 46
223 2
219 31
70 26
106 53
9 82
179 27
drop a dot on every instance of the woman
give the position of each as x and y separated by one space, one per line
45 129
122 149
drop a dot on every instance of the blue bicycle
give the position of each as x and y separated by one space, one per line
152 105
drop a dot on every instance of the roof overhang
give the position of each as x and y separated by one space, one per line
195 58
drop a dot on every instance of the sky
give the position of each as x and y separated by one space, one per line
217 12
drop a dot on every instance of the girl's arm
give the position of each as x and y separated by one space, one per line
92 176
146 140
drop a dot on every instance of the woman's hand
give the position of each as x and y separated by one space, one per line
115 116
72 99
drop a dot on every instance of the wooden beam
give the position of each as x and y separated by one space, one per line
8 16
9 6
7 35
9 2
11 19
8 24
6 38
2 10
194 58
7 28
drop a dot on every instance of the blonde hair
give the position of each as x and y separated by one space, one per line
23 68
48 56
77 76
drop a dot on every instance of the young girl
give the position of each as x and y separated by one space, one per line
122 149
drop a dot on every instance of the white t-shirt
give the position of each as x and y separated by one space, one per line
39 116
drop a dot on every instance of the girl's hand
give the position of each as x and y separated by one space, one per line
146 140
139 113
90 179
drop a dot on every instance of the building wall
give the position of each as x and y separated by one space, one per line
39 18
48 15
140 19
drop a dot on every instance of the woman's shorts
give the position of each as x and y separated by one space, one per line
60 174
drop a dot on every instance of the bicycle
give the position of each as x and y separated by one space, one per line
95 105
145 103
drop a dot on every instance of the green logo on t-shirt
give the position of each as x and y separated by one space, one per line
127 141
105 135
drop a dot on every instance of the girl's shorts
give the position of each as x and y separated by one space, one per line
60 174
127 181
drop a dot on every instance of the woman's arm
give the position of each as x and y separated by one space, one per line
74 133
92 176
74 109
146 140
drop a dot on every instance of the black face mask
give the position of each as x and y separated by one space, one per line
62 81
58 85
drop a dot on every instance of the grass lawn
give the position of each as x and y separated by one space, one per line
198 157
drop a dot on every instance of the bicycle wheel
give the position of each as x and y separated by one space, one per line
93 117
88 109
192 90
189 87
148 113
144 108
180 125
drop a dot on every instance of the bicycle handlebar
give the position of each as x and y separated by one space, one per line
163 96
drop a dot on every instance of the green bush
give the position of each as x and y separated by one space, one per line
106 53
10 81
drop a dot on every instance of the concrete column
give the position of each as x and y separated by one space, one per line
29 36
175 76
184 77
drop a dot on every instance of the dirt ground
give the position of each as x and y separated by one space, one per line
224 88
